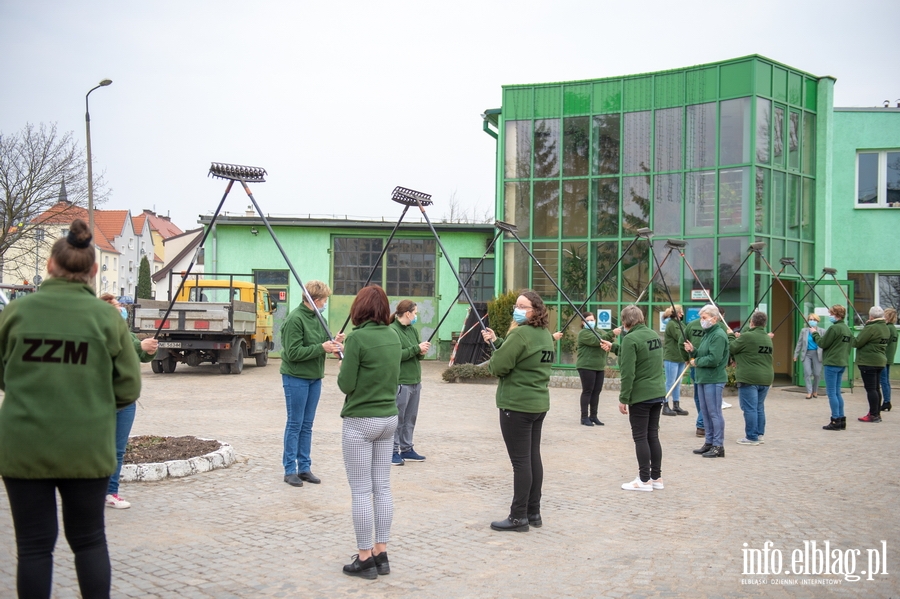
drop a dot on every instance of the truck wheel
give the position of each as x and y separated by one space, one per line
224 368
262 358
156 366
169 364
238 366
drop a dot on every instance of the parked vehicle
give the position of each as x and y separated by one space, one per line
221 321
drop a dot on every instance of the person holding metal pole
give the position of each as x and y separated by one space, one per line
871 347
754 374
672 362
522 363
810 355
305 344
836 344
591 366
409 386
709 359
890 318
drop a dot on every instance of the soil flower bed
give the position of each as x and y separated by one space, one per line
149 449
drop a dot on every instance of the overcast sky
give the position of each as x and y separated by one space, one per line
343 101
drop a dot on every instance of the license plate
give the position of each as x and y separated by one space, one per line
170 344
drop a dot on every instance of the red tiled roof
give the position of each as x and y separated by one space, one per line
102 242
61 213
138 222
111 222
163 226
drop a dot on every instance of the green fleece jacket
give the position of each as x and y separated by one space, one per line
67 362
835 344
369 371
410 354
711 356
641 372
522 362
752 353
872 342
673 340
695 333
302 337
590 355
891 352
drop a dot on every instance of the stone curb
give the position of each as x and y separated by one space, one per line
220 458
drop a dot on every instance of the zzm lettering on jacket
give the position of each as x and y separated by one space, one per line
57 351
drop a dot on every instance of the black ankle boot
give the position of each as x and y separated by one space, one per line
717 451
706 447
511 524
667 411
535 520
595 420
676 407
587 422
886 407
362 568
843 423
834 425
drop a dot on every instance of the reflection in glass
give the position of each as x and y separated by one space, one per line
576 146
546 148
807 209
546 208
575 208
606 253
701 255
548 256
515 265
635 271
635 204
794 141
606 140
732 251
734 200
778 202
863 292
807 260
778 137
667 205
734 132
809 143
606 198
893 179
636 153
793 206
518 150
669 133
867 175
701 133
889 291
670 275
517 206
573 279
763 123
762 200
700 203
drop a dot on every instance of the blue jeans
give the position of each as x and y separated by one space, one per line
711 407
697 400
673 369
886 384
752 399
124 420
302 398
833 376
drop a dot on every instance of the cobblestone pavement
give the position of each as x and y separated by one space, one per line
242 532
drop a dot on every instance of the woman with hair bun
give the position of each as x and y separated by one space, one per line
66 365
523 365
409 388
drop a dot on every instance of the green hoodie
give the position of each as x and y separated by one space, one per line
410 354
711 356
835 344
369 371
752 353
302 336
673 340
523 363
891 352
590 355
67 362
871 343
641 370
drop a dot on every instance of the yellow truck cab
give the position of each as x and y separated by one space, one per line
221 321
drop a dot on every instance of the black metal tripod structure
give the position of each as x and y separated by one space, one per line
832 272
791 262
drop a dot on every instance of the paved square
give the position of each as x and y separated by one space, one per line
242 532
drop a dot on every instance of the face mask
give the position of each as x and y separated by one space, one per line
414 320
832 319
590 324
322 309
813 323
519 315
706 323
124 313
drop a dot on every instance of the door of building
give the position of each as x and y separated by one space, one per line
783 325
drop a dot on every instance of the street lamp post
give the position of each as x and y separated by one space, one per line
90 174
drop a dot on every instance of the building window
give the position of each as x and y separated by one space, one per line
272 278
410 268
353 261
481 287
878 179
875 289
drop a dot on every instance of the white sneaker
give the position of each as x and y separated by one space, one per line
114 501
637 485
760 438
657 484
725 405
746 441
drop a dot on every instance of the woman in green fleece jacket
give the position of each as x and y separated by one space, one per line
409 387
369 374
871 358
66 364
522 364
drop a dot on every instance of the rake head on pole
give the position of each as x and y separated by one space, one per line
676 244
757 246
788 261
410 197
829 271
236 172
506 227
645 233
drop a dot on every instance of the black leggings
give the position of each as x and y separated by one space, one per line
644 419
871 376
33 506
522 435
591 386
